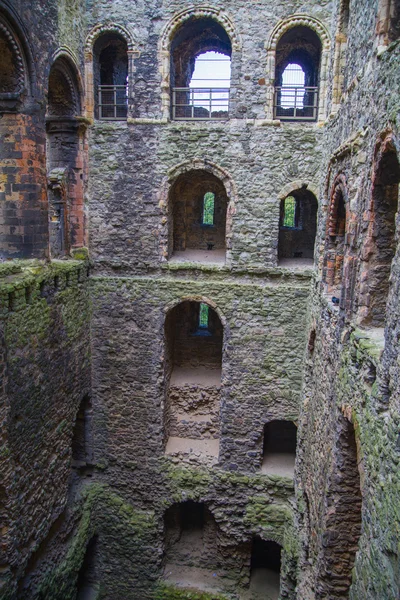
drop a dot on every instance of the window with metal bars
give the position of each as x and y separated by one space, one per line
200 71
298 56
111 77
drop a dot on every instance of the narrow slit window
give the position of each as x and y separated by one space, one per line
208 208
289 214
203 316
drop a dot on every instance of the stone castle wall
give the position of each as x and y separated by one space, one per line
288 352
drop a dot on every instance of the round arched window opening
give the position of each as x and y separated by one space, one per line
298 56
200 70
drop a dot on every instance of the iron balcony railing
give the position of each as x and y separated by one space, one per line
296 103
200 104
113 102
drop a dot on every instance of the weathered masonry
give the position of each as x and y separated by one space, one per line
199 300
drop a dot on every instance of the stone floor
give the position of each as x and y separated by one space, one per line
216 257
264 583
279 463
194 578
200 375
296 263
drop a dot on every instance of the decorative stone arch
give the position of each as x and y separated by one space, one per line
18 83
296 185
298 241
279 30
132 50
197 164
197 298
382 214
65 54
339 187
65 61
338 264
168 32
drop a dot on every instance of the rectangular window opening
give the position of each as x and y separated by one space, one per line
203 316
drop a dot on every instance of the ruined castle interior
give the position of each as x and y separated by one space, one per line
199 300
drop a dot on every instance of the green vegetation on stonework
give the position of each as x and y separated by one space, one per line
289 212
266 518
165 591
60 583
208 208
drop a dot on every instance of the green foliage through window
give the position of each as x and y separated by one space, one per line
289 214
203 316
208 208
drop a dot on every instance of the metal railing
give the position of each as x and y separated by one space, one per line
296 103
200 104
113 102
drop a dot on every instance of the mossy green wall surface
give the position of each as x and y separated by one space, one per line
44 327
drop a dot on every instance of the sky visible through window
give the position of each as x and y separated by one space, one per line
211 70
293 77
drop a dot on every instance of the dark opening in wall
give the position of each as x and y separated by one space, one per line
193 360
344 17
198 207
297 225
335 248
343 518
279 448
13 69
382 242
9 75
194 335
82 445
64 160
88 576
298 56
110 70
200 70
191 553
265 569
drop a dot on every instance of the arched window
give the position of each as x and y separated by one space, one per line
382 235
293 90
198 210
265 569
289 212
298 56
13 69
193 361
203 316
200 70
297 227
279 448
64 154
335 248
110 56
208 208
